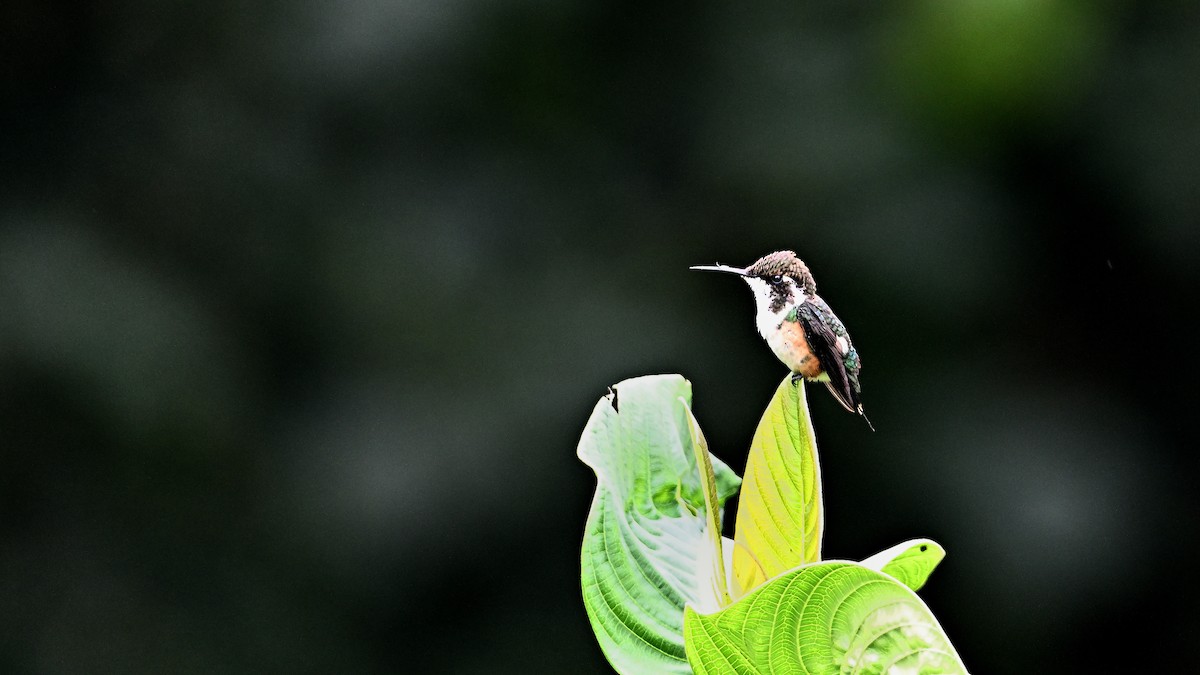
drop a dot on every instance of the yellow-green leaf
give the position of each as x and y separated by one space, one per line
780 516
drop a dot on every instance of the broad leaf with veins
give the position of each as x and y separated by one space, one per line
647 550
833 617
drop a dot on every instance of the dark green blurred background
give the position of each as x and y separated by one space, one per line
304 305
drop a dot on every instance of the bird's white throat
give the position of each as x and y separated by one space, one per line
766 319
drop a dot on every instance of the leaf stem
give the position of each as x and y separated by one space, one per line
712 507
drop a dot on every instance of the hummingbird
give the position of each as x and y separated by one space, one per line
799 326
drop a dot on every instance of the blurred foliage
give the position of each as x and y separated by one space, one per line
259 263
976 65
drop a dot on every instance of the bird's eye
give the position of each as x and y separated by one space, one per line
775 279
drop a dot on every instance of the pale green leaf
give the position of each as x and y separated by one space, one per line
646 552
910 563
780 516
832 617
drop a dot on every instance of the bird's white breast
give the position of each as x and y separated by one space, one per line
781 346
766 320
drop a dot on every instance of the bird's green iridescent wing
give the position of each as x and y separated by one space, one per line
823 328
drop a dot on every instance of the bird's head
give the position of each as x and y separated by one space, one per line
779 280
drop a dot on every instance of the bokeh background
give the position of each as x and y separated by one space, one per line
303 306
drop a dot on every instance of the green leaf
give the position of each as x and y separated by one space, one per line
780 516
646 550
832 617
910 563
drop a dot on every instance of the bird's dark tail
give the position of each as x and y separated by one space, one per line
865 418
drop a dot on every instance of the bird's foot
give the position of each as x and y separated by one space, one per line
797 378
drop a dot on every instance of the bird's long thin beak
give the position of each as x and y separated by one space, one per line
740 271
